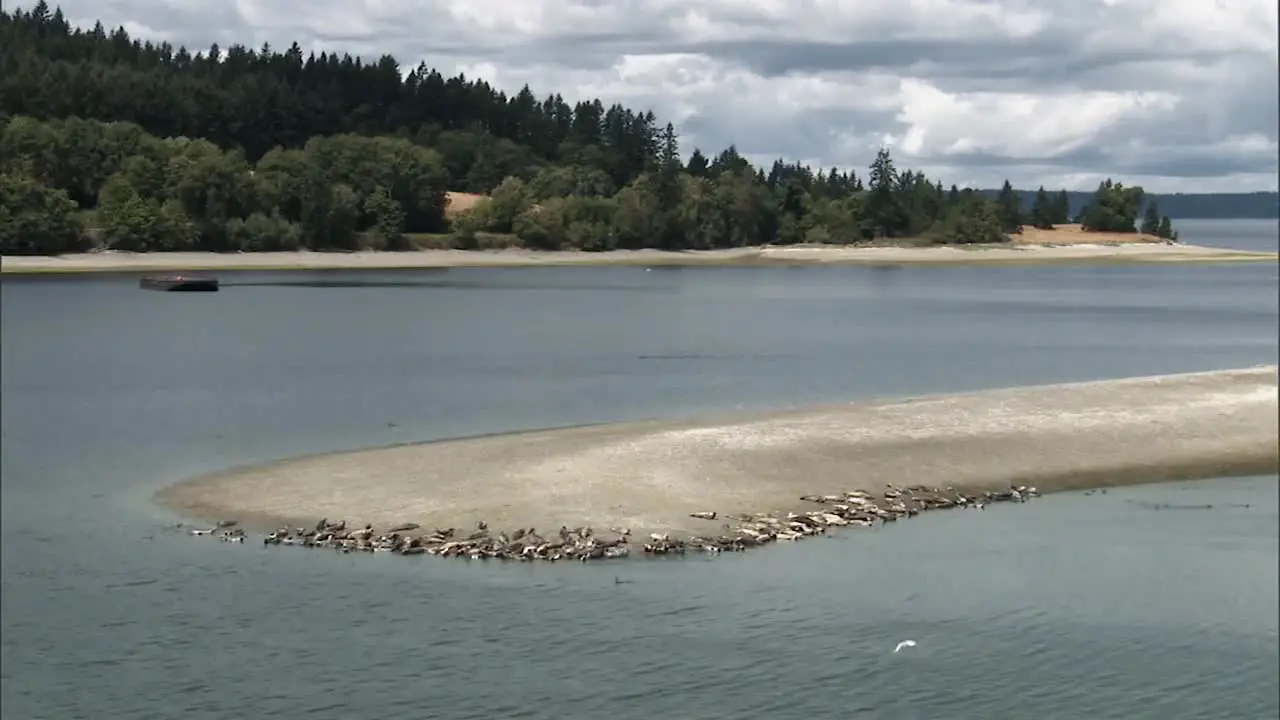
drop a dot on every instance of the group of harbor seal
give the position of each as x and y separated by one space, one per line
582 543
856 508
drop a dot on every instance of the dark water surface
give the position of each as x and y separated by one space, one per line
1071 607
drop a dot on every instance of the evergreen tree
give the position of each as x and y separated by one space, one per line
1061 214
667 190
698 165
1042 211
1151 220
1114 208
1010 209
884 209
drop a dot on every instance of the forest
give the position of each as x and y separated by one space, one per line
109 142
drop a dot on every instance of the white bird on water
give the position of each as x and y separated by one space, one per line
905 644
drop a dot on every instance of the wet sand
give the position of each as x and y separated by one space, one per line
650 476
1012 254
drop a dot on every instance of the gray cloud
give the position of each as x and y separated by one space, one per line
1170 94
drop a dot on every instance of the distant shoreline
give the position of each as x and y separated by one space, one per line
1056 437
1005 254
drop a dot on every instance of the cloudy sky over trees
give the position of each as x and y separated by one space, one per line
1175 95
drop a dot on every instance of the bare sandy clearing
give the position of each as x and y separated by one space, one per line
457 203
1075 235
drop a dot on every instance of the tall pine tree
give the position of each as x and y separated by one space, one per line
1042 210
1061 214
1151 220
1010 209
884 216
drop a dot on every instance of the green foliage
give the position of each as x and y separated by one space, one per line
263 233
570 180
972 220
134 223
884 215
544 227
1043 211
508 200
1060 211
1114 208
236 150
584 223
1153 223
35 218
388 218
1151 220
1009 209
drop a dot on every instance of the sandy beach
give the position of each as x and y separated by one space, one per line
1014 254
652 475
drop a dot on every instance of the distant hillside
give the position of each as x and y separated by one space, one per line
1220 205
1182 206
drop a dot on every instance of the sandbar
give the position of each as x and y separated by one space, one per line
1006 254
651 475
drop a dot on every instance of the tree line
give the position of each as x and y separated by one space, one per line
111 142
1182 206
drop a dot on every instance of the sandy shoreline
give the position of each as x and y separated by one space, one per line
795 255
650 476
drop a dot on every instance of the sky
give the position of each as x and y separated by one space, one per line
1173 95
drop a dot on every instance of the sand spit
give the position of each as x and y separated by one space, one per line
1015 254
711 478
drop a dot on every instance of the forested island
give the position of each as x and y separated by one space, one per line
108 142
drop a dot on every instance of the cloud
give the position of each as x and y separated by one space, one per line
1178 95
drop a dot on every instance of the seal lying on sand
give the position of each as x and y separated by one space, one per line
856 508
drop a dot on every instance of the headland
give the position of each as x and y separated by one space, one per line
709 476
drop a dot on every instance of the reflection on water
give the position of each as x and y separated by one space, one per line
354 280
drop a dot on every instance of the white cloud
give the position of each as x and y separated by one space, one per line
842 21
1175 94
1018 125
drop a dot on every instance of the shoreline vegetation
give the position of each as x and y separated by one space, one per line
725 483
115 144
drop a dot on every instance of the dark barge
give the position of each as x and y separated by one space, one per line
179 283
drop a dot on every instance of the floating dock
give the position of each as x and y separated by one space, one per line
179 283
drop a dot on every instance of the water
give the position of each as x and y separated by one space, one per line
1258 235
1070 607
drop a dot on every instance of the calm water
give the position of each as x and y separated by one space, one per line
1238 234
1071 607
